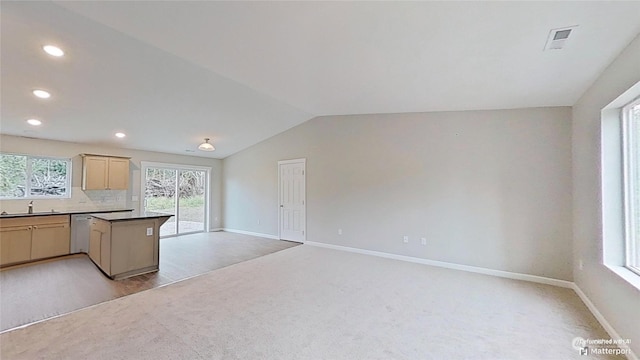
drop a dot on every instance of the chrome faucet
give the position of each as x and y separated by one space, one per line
30 207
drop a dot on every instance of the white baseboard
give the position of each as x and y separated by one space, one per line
499 273
474 269
601 319
268 236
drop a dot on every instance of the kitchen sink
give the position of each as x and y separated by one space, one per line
27 214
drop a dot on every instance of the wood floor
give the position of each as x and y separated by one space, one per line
37 291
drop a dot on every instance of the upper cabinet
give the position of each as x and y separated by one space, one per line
105 172
118 174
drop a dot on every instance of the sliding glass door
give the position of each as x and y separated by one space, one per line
160 196
178 190
191 201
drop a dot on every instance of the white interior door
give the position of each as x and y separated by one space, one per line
292 200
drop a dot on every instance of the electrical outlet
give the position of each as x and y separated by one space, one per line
423 241
149 231
258 222
580 264
339 231
405 239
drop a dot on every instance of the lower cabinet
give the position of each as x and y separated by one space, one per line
33 237
132 247
100 244
125 248
15 244
49 240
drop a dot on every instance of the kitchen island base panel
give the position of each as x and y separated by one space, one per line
134 245
129 274
123 248
150 269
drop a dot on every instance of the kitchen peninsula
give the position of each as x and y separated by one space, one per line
121 242
27 237
126 244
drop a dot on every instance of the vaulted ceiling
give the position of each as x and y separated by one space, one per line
169 74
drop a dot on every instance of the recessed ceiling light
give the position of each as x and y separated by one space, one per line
53 50
41 94
120 135
34 122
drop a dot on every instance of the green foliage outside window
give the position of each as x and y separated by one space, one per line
23 176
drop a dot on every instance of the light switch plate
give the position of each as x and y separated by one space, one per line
149 231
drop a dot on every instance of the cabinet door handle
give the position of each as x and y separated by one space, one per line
35 227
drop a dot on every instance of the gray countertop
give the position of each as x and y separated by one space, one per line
63 212
124 216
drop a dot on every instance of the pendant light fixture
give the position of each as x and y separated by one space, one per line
205 146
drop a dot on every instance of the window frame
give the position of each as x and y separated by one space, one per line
631 165
30 158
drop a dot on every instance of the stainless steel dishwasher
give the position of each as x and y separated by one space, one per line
80 232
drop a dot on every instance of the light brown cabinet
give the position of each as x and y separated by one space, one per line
125 248
118 174
34 237
104 172
50 240
99 238
15 244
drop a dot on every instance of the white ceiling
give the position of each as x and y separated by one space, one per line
171 73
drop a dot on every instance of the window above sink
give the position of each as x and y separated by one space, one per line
34 177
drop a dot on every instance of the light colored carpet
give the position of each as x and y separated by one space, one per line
313 303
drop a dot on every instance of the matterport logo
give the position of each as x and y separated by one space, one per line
601 346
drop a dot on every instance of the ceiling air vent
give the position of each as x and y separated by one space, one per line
558 38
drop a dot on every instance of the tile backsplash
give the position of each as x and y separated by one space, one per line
80 200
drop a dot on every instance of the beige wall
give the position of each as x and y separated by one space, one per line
614 297
107 199
485 188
